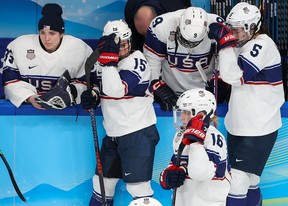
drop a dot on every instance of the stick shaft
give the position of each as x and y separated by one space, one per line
12 177
178 161
89 65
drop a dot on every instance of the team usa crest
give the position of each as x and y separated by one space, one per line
172 36
201 94
146 201
246 10
30 54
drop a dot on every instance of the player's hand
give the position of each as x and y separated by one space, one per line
32 100
196 129
222 35
163 95
109 47
90 99
172 177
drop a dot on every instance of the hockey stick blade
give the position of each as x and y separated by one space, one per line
201 71
12 177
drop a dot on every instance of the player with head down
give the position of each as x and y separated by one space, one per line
121 80
199 167
46 69
174 43
253 68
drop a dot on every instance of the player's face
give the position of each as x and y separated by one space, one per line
185 117
125 47
50 39
239 34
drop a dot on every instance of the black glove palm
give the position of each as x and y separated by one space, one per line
109 47
90 99
163 95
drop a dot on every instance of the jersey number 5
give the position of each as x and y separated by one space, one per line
255 50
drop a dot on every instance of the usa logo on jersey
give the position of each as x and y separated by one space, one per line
30 54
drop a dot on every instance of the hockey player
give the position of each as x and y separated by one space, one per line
33 64
128 149
145 201
174 43
139 14
202 178
254 70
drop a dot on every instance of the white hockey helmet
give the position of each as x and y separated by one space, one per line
245 16
145 201
193 27
194 101
119 27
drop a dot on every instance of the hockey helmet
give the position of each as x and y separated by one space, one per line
193 27
194 101
145 201
119 27
245 16
122 30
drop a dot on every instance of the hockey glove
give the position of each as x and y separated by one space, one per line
222 35
163 95
90 99
62 94
196 130
172 177
109 47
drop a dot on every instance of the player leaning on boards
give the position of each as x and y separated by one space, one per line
33 64
174 42
202 177
128 149
254 70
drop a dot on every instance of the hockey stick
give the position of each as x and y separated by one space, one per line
12 177
202 73
89 65
178 161
205 79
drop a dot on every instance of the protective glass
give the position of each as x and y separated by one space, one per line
240 34
125 48
181 118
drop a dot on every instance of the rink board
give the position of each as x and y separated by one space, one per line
52 157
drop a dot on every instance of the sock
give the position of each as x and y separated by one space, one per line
254 197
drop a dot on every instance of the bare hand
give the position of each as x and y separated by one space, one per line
32 100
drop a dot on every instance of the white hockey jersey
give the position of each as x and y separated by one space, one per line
208 180
255 73
177 63
28 69
126 103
